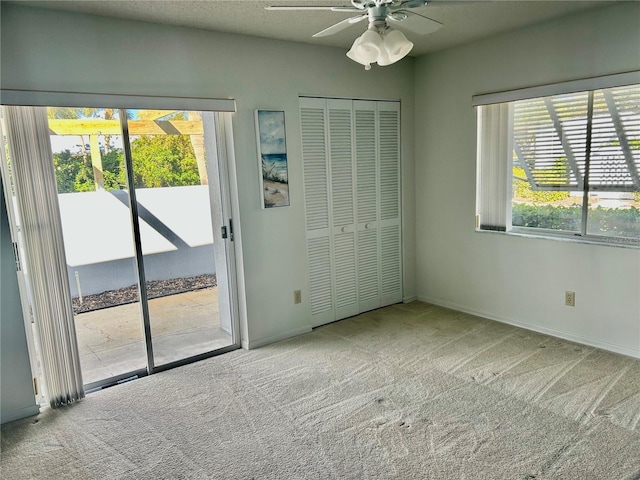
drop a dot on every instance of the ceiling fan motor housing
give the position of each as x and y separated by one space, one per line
364 4
378 14
367 4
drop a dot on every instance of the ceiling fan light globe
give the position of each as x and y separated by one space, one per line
357 59
368 46
383 57
353 54
397 45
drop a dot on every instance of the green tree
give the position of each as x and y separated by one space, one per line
164 161
74 174
67 167
115 177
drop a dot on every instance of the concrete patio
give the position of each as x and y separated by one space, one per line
111 340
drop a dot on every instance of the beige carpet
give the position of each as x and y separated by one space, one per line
409 391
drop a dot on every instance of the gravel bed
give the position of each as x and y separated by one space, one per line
155 289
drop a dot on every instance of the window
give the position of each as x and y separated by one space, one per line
563 164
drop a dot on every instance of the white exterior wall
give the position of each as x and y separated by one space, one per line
514 279
99 242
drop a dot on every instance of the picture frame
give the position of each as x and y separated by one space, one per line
272 158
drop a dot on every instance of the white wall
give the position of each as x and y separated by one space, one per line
17 399
514 279
50 50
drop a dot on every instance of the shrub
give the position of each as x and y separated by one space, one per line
619 222
547 216
523 191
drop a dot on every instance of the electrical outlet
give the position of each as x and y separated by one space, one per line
570 299
297 296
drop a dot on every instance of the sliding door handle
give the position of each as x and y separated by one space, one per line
227 232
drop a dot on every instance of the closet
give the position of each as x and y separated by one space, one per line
351 157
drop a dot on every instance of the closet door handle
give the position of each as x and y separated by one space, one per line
343 229
367 226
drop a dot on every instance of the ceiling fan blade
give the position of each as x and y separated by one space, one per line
347 9
414 22
410 4
338 27
302 7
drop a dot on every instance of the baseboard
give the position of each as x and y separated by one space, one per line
537 328
410 299
261 342
25 412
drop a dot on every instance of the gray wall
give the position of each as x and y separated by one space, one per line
515 279
17 399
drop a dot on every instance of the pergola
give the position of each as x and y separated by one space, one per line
148 123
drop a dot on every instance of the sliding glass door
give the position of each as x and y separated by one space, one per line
88 161
179 202
144 202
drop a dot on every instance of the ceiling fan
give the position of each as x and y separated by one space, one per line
379 43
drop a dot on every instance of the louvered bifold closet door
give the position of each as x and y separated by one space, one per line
317 209
342 180
389 202
351 155
368 241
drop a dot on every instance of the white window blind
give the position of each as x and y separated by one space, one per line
494 159
550 140
614 164
568 162
37 198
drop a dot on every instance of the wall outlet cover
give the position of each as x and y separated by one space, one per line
570 299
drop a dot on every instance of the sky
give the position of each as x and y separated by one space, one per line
60 143
272 137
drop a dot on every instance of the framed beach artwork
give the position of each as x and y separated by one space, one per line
272 153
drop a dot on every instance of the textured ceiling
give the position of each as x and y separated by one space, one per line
464 21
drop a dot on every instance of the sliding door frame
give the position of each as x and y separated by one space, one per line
39 386
223 135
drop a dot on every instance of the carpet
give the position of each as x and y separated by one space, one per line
404 392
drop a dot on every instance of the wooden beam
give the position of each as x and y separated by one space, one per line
96 162
172 127
153 114
136 127
197 142
84 127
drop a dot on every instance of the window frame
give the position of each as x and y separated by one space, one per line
588 86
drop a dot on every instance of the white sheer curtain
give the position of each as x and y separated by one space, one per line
495 155
37 199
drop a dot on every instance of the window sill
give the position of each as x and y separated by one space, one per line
570 238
